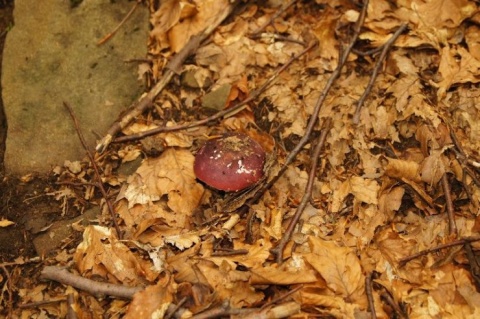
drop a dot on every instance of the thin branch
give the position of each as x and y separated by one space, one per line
229 252
172 310
376 71
8 287
111 34
71 313
336 73
172 68
224 113
282 297
91 286
402 262
95 168
20 262
276 37
473 262
37 304
284 8
278 249
311 122
369 292
452 227
462 157
389 300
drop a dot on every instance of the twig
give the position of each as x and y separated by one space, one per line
369 292
37 304
369 52
376 71
91 286
172 310
71 314
273 36
281 311
311 122
172 68
402 262
111 34
8 283
278 249
284 7
95 168
77 183
21 262
224 113
452 227
462 156
473 262
388 299
336 73
229 252
282 297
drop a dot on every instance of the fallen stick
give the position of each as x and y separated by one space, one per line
278 249
95 169
93 287
221 114
173 67
402 262
376 71
249 238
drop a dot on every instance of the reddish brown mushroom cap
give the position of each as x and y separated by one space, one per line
230 163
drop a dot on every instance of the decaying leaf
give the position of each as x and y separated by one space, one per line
101 253
340 268
153 302
170 174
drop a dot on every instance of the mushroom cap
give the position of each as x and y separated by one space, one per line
230 163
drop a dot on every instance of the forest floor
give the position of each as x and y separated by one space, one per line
369 206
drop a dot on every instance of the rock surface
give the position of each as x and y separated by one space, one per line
51 55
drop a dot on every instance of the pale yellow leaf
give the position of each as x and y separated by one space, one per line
6 223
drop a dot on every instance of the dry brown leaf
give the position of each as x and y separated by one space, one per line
153 301
183 241
101 253
239 292
170 174
433 167
258 253
472 37
390 200
168 15
442 14
397 168
336 305
365 190
340 268
294 271
456 71
205 15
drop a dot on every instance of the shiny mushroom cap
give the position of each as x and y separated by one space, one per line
230 163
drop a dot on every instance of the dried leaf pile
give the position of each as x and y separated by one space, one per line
402 180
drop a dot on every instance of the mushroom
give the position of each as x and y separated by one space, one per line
230 163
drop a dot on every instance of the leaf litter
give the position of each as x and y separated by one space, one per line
386 195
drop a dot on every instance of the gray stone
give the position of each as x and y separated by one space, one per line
51 55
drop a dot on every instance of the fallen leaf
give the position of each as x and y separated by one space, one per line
340 268
6 222
153 301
